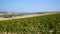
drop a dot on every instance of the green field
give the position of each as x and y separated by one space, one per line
48 24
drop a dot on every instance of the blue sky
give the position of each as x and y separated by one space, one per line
29 5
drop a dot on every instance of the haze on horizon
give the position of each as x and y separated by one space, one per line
29 5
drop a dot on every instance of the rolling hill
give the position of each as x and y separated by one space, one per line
34 25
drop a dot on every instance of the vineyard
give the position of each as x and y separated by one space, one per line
48 24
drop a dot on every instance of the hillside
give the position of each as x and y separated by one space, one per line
26 16
34 25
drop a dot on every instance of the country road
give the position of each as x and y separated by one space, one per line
25 16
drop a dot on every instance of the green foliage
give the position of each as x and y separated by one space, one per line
42 24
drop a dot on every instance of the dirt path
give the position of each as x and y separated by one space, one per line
25 16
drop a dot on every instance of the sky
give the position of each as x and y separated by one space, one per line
29 5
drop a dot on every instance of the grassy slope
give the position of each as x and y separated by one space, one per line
32 25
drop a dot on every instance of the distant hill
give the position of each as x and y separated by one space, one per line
10 14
